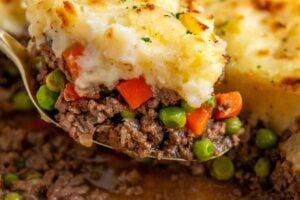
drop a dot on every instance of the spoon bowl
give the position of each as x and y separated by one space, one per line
20 56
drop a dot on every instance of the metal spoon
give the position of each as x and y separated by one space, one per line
19 55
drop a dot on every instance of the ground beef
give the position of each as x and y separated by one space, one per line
166 97
282 183
51 166
286 182
144 135
62 169
97 116
59 168
51 59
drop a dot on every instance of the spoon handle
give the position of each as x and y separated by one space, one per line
18 54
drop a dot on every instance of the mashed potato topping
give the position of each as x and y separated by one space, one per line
171 44
12 17
263 39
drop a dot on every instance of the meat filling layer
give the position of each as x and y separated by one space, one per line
151 128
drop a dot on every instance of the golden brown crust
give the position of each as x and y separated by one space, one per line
67 14
268 5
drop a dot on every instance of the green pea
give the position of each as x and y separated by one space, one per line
262 167
106 91
21 162
266 139
127 114
46 98
9 179
35 175
233 125
9 68
22 101
55 81
172 117
222 168
212 101
186 107
13 196
129 153
203 149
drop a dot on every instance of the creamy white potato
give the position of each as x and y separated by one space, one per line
124 39
12 17
263 39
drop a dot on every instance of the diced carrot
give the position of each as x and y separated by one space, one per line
198 119
70 55
135 91
70 94
228 105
